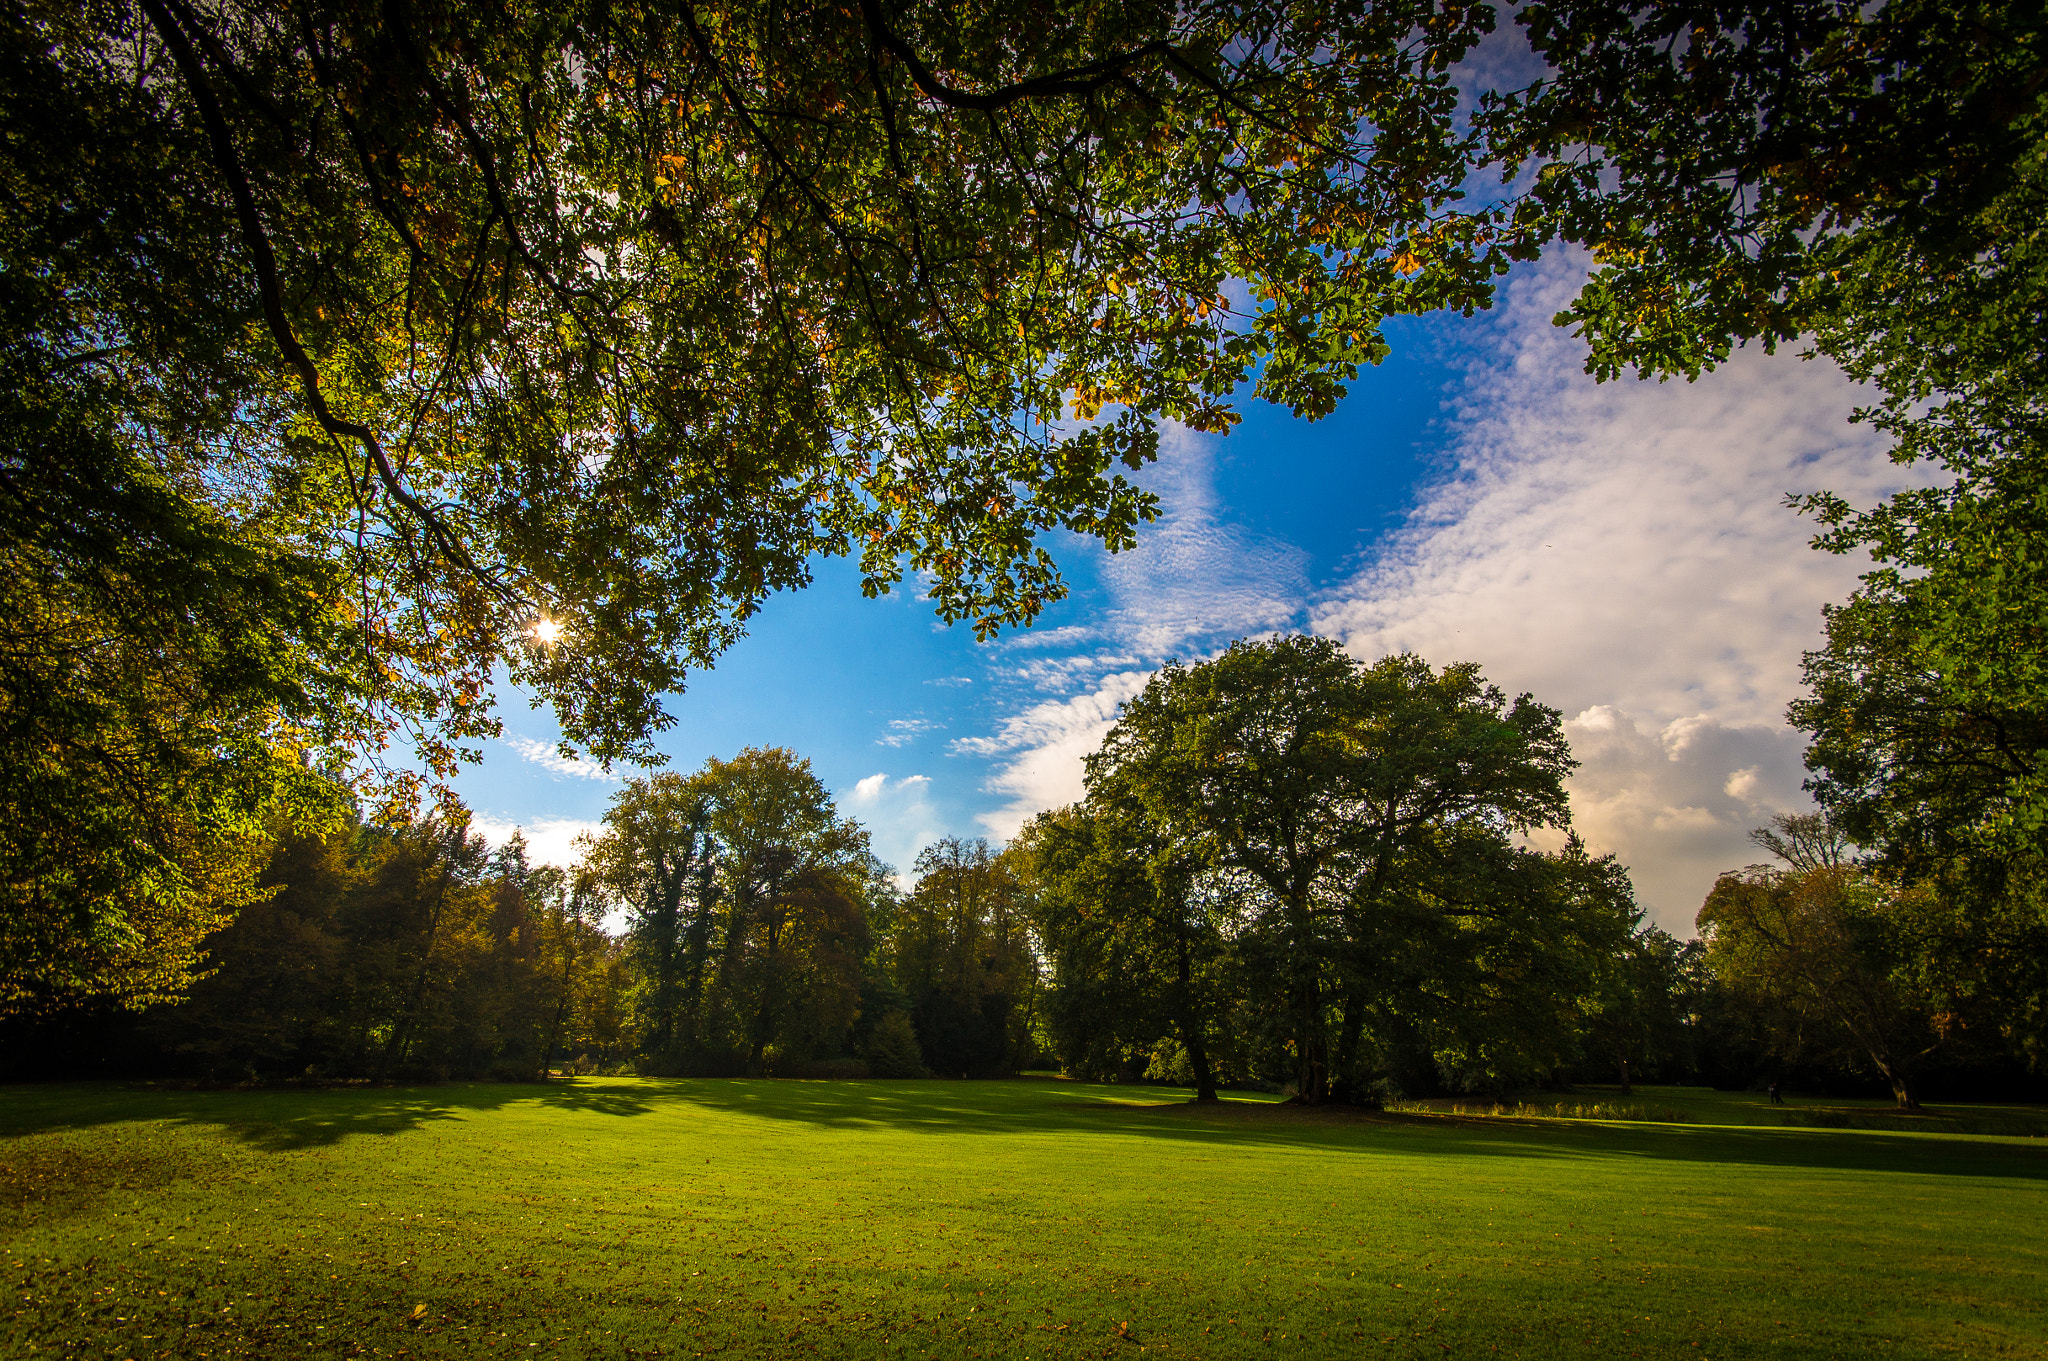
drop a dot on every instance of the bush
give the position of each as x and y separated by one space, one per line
893 1050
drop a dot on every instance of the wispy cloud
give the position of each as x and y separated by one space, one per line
1044 746
1068 673
551 760
903 731
951 681
1066 635
1196 577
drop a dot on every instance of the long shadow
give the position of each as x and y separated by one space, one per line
1074 1108
278 1120
281 1119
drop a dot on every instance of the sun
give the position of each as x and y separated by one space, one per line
546 632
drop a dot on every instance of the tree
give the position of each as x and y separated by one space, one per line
791 872
961 950
1640 1016
1830 950
597 323
746 895
1369 808
159 680
1134 933
575 916
655 859
1816 946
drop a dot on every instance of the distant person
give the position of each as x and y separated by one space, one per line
1776 1099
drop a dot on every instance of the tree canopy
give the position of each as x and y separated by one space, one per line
357 359
611 318
1355 826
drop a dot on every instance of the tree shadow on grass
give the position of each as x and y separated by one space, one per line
281 1119
1064 1108
286 1119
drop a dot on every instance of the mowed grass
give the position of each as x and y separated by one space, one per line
621 1217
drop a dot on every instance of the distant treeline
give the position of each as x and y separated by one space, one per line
1291 872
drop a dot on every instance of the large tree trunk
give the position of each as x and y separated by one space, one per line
1311 1059
1191 1023
1312 1053
764 1013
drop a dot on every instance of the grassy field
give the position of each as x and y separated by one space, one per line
620 1217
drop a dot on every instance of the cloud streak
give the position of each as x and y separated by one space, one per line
1194 576
551 760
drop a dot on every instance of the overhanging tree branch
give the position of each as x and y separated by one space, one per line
271 295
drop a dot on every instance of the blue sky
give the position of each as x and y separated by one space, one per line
1621 550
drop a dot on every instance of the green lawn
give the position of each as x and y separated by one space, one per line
613 1217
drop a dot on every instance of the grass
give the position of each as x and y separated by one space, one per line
618 1217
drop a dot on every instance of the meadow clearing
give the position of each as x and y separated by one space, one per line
1032 1217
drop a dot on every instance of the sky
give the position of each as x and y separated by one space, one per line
1622 551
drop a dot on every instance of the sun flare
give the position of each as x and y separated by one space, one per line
546 632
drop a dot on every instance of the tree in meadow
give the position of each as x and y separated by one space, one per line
961 949
1136 936
654 858
1369 813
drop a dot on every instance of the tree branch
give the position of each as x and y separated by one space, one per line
228 162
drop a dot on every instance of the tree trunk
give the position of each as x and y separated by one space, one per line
1191 1023
547 1057
1626 1090
395 1046
1311 1059
764 1014
1902 1087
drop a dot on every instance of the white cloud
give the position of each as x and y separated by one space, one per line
1675 803
1068 673
950 681
549 841
1045 744
1623 551
1193 581
905 730
550 759
898 815
1066 635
